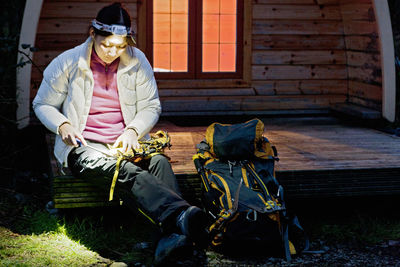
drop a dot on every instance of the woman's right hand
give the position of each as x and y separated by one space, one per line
69 135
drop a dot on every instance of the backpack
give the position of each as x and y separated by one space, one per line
241 194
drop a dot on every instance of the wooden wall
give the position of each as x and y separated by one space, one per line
301 55
363 56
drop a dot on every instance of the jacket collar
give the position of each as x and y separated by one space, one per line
127 59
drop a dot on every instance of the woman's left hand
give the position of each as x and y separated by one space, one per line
127 140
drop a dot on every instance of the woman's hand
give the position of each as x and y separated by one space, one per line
127 140
69 135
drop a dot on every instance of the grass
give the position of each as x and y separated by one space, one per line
47 249
97 237
82 237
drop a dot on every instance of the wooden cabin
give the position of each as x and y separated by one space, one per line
244 57
292 56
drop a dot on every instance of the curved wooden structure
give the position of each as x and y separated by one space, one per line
301 56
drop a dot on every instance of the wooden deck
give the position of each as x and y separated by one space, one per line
319 156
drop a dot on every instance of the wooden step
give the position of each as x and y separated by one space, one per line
356 111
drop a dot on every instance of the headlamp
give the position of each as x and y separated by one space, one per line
114 28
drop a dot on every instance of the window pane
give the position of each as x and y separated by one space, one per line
227 57
219 36
161 57
179 6
210 6
228 7
179 57
210 57
161 6
170 35
179 28
228 29
161 28
210 28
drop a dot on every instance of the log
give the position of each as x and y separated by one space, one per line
289 42
298 27
296 12
368 43
248 103
365 90
294 57
300 87
68 9
289 72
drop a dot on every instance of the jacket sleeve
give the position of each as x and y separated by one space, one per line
51 95
148 103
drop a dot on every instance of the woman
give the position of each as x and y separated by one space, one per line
104 92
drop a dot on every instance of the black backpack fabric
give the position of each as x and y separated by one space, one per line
240 191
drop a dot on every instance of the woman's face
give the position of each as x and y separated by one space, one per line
109 48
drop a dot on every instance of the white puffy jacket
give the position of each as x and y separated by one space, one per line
65 93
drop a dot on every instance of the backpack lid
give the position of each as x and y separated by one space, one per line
235 141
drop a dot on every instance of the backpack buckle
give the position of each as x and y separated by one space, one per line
254 215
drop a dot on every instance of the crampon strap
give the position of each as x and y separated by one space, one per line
148 148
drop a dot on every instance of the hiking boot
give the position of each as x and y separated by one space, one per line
193 223
169 248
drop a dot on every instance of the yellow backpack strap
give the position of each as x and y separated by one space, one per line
114 180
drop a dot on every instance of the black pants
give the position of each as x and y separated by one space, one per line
150 187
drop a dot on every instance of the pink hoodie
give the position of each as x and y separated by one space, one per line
105 122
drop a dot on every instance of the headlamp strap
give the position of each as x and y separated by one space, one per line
114 28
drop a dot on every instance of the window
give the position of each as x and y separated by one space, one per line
195 39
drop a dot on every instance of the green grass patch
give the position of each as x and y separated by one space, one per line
78 237
47 249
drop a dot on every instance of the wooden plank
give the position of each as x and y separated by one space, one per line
43 58
357 1
292 102
58 42
298 2
79 199
206 92
365 74
300 87
363 59
365 102
358 11
199 83
83 205
365 90
61 195
294 57
309 42
247 40
298 27
288 72
67 25
363 43
296 12
359 27
313 144
90 1
69 9
357 111
249 103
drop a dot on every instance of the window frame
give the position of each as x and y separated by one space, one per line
195 44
